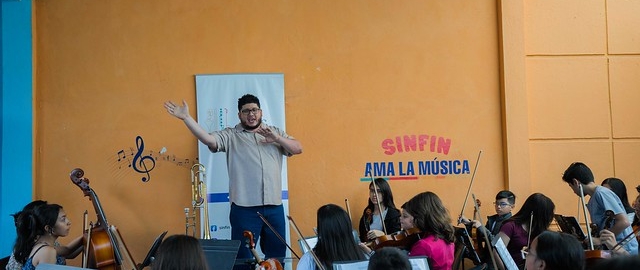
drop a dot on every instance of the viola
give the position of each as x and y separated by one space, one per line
401 239
268 264
474 231
593 255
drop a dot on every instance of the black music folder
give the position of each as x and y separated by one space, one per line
221 254
152 251
570 225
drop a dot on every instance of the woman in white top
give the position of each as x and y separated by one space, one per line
335 240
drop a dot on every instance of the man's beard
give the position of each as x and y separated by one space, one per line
251 128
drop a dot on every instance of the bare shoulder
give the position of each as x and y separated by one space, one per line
46 254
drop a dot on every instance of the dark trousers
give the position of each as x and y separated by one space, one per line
246 219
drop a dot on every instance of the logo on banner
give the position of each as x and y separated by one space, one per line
437 163
215 228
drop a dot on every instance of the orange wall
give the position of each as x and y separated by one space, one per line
481 73
582 70
356 73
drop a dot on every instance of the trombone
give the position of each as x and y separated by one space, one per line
199 203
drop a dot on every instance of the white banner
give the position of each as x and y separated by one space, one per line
217 103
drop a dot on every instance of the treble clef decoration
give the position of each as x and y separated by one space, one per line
139 160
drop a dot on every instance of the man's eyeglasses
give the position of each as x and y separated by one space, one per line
501 204
249 111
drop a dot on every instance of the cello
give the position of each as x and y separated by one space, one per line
106 249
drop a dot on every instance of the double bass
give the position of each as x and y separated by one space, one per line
106 249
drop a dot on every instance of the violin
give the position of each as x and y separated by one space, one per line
402 239
596 254
635 233
268 264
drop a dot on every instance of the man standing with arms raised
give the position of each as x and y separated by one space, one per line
254 153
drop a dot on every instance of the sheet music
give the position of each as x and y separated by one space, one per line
355 265
508 262
46 266
419 263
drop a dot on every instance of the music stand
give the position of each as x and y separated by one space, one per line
312 241
467 250
419 263
350 265
152 251
570 225
46 266
220 254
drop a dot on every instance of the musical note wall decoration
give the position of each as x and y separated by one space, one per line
140 161
125 158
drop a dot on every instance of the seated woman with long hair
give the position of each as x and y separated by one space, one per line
534 217
180 252
335 240
69 251
374 221
38 230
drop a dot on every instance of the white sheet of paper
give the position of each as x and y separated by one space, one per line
508 262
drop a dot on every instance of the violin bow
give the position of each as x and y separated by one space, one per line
473 176
315 258
486 237
277 234
530 230
346 202
375 189
626 239
85 225
586 218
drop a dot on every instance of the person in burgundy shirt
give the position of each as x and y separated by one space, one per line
516 233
